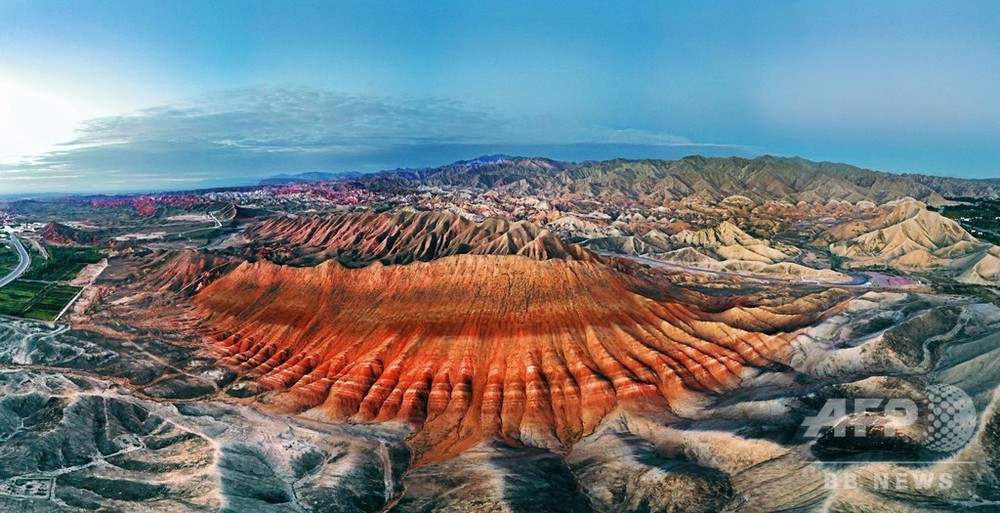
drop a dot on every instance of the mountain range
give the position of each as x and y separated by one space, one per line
709 178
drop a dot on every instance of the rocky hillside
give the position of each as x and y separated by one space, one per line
714 179
654 181
363 238
486 172
472 348
723 248
960 187
908 237
60 234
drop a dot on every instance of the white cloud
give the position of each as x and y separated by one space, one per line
251 133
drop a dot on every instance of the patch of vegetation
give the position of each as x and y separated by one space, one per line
35 300
980 216
64 263
873 326
979 292
907 339
837 262
8 258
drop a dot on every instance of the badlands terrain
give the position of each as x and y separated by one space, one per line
504 334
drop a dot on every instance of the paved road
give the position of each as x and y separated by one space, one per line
22 265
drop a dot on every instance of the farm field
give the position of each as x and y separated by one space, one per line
63 265
41 293
35 300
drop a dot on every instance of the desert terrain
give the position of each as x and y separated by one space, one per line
504 334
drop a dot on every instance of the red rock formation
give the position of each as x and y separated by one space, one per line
362 238
60 234
184 272
472 347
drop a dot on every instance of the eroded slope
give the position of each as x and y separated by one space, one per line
359 239
470 347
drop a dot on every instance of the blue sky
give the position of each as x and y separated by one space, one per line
131 95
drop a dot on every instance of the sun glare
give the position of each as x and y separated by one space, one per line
33 120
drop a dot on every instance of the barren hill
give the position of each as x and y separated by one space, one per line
760 179
911 224
57 233
910 238
183 272
487 172
711 179
468 348
907 235
723 248
400 238
959 187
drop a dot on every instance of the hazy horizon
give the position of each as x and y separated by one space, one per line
132 96
236 182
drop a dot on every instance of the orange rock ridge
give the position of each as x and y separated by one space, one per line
470 347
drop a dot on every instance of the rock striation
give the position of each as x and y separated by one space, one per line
360 239
909 237
60 234
471 347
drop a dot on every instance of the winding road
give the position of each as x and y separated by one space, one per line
22 265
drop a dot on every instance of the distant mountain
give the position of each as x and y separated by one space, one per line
655 181
960 187
310 177
714 179
650 181
490 171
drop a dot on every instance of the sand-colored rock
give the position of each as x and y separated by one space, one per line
723 234
908 234
909 237
728 242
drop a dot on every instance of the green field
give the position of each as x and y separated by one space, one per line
63 265
8 258
35 300
38 293
981 217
